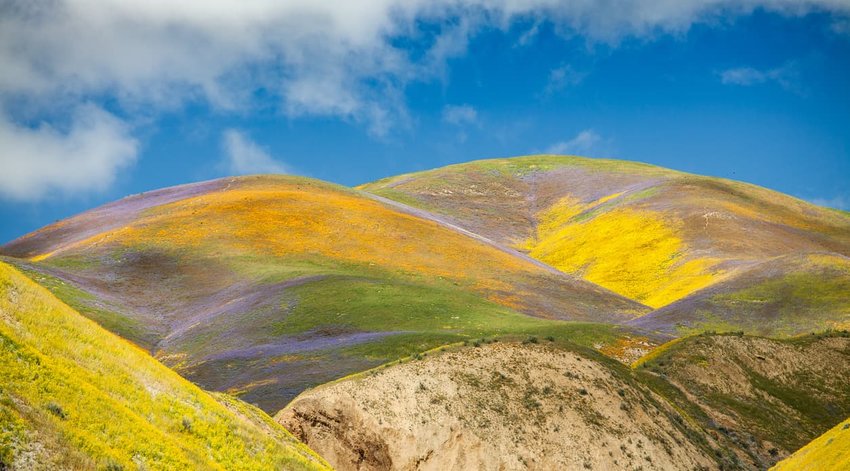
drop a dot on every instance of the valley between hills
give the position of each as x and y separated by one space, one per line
540 312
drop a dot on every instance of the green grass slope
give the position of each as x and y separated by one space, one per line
764 398
264 286
75 396
783 296
651 234
829 452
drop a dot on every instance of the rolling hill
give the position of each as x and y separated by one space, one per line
262 286
498 406
75 396
713 401
651 234
782 296
269 288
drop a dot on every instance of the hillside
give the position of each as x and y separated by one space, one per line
651 234
301 280
829 451
498 406
702 402
76 397
766 398
782 296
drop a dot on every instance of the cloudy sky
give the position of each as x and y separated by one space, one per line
104 98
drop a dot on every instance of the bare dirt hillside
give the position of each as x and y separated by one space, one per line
500 406
763 398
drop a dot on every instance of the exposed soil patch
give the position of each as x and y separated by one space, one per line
499 406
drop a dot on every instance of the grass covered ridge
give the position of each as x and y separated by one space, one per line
262 286
76 396
766 397
785 296
651 234
829 451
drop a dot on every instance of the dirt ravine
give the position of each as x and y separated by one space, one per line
500 406
765 398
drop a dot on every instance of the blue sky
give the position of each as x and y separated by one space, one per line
99 104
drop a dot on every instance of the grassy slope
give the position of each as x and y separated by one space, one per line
264 286
648 233
784 296
765 398
75 396
830 451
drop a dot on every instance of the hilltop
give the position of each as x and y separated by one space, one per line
497 303
498 406
654 235
300 279
74 396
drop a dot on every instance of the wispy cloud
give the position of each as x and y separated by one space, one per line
787 76
460 115
529 35
562 77
243 156
837 202
44 161
841 26
319 57
345 60
583 143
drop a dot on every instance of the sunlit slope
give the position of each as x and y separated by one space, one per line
783 296
765 398
263 286
500 406
74 396
648 233
829 452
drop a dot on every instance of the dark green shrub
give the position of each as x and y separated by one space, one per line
56 410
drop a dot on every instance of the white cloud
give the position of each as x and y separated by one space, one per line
43 161
325 58
243 156
786 76
308 57
582 144
742 76
460 115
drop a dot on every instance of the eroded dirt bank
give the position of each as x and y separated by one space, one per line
500 406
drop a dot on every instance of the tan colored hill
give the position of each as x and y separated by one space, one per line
764 398
73 396
703 402
651 234
262 286
500 406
